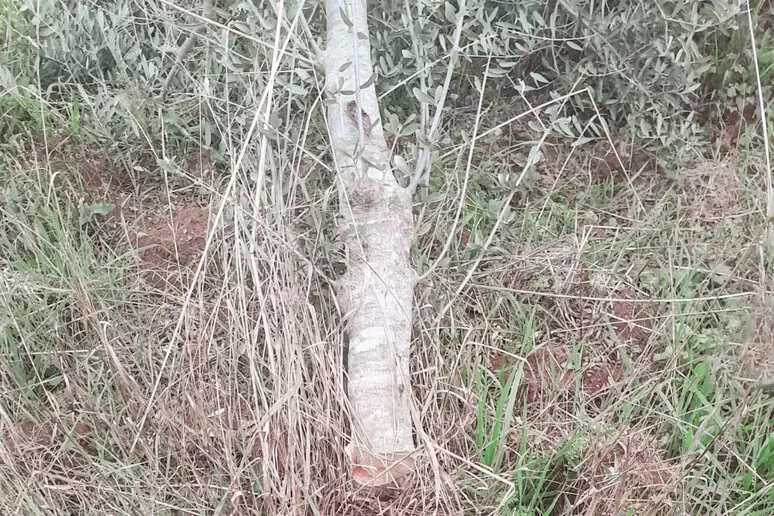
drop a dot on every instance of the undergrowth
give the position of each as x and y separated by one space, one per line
593 329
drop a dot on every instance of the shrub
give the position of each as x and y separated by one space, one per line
647 65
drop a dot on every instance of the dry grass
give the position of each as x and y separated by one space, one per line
138 382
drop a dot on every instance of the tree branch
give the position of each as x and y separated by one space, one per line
377 228
183 51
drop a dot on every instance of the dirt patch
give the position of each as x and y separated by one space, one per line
31 435
45 445
625 163
200 166
169 232
173 241
597 378
626 473
549 374
593 324
735 123
546 373
632 320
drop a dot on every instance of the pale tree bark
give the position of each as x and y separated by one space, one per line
377 229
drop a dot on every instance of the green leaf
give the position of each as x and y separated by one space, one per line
296 89
423 97
401 165
345 18
448 11
369 82
583 140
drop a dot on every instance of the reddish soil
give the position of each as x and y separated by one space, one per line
599 377
174 240
546 372
585 314
634 161
169 235
48 444
631 319
30 435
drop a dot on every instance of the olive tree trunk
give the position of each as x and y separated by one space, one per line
377 229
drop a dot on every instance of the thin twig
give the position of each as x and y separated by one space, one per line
423 163
186 47
764 122
464 191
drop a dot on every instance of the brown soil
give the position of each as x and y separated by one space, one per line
546 373
173 241
600 377
50 445
631 318
603 321
30 435
169 233
626 163
735 123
